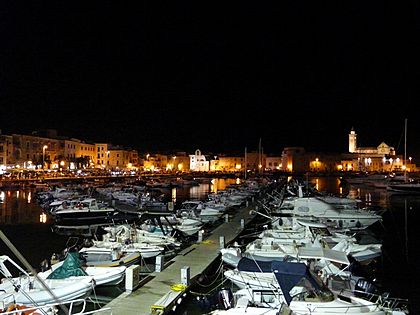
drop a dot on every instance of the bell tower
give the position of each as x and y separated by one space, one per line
352 141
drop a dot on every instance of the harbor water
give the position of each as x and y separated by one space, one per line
29 229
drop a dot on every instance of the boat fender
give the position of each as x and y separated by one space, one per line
178 287
15 307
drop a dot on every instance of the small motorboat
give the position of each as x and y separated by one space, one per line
108 257
33 289
103 276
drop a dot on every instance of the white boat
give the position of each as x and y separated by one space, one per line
146 250
87 209
315 208
30 289
405 188
296 291
256 271
123 233
103 276
108 257
410 187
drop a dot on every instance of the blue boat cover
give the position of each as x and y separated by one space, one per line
289 274
252 265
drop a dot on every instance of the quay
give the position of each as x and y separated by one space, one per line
155 295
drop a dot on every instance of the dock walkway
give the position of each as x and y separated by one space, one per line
156 296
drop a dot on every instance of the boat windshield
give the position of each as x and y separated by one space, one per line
306 291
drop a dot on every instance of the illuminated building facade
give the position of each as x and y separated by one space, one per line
198 162
6 148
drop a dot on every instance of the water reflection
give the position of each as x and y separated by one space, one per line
18 207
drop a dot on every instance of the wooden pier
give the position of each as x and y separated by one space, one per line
158 293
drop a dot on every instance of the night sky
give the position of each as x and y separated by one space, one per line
213 76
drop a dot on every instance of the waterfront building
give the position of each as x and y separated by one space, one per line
35 151
273 163
6 148
77 154
121 158
294 160
155 162
180 162
198 162
381 158
102 155
222 163
44 149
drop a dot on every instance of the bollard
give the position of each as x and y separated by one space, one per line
200 236
247 203
159 263
222 242
226 217
185 275
132 278
242 223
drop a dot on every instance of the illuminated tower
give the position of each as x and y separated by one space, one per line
352 141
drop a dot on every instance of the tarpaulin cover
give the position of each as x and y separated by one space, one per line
70 267
289 274
252 265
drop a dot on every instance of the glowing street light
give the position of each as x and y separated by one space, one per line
43 155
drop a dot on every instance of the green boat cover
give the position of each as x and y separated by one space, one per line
71 267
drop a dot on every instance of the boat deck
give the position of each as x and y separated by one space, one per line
156 295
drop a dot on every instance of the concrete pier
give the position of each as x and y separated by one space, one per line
158 293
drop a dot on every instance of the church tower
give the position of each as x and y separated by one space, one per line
352 141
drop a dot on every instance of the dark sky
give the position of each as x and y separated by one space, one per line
214 76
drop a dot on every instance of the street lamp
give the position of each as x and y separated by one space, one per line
43 155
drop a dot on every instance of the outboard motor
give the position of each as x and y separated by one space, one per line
365 289
225 298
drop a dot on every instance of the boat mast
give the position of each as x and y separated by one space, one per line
405 151
259 157
245 162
